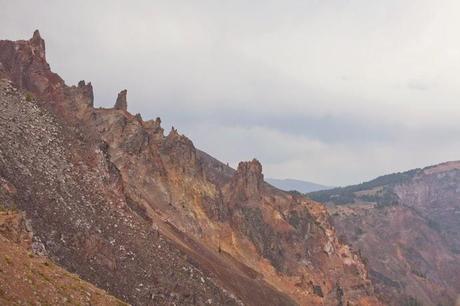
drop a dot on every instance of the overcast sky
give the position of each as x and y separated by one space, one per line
332 91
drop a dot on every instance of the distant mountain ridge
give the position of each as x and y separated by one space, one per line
356 193
297 185
406 226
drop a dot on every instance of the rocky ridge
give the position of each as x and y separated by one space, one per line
150 218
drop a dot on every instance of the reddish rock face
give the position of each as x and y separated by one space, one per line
38 45
24 63
407 227
125 202
248 180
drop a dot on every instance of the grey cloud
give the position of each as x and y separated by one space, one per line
419 84
327 129
333 91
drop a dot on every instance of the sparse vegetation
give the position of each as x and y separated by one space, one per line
411 301
7 260
42 275
318 291
347 195
29 97
419 273
8 208
358 231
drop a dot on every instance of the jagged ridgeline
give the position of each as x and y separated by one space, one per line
148 217
378 191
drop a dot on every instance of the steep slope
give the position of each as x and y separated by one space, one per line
72 197
297 185
407 226
27 278
147 216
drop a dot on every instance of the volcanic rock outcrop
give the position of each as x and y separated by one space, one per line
150 218
248 180
121 102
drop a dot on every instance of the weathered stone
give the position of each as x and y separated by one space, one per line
38 45
248 179
121 102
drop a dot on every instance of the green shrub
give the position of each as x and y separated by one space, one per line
29 97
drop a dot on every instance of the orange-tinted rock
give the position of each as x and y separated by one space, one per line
248 179
124 204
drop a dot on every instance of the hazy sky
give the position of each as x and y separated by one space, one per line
335 92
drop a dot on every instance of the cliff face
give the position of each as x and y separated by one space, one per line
24 63
149 217
72 196
407 227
